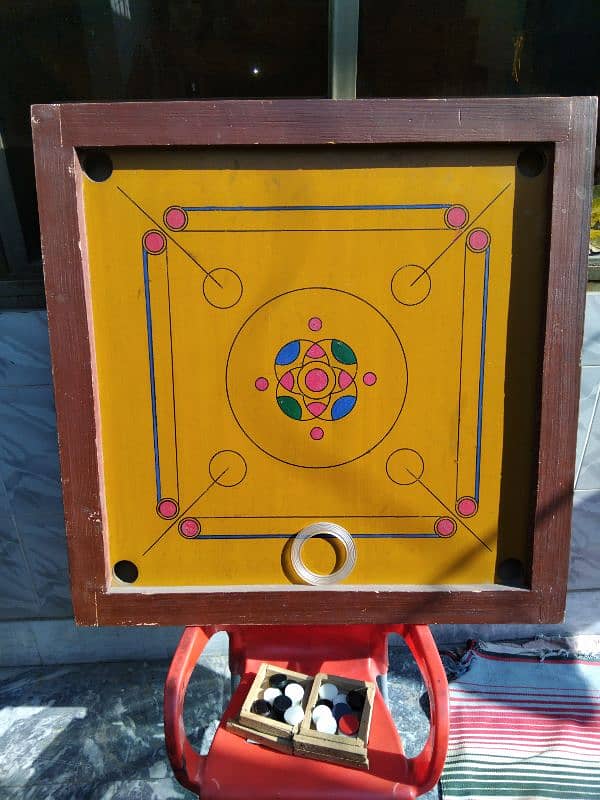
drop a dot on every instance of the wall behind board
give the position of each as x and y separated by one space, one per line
35 609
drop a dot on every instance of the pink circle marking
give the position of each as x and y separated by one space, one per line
261 384
445 526
316 434
189 527
466 506
154 242
315 324
369 379
316 380
167 508
287 381
479 240
316 408
344 380
456 217
315 351
176 218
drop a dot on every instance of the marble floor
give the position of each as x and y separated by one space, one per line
94 731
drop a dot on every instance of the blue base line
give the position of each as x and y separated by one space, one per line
482 372
401 207
326 536
152 377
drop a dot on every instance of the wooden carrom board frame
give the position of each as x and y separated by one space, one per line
61 132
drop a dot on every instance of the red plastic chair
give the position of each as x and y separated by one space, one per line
235 769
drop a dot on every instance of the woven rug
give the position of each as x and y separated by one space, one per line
524 723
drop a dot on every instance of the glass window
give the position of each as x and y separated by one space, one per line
110 50
477 47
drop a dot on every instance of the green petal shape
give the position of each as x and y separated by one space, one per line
342 352
290 406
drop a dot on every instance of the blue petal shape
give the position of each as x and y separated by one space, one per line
288 353
343 406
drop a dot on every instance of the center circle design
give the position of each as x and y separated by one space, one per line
316 380
321 375
348 378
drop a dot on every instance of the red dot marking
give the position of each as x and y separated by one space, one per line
189 527
154 242
456 216
167 508
176 218
466 506
445 526
369 379
316 380
479 240
316 434
261 384
315 324
348 725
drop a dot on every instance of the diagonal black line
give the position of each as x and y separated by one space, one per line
168 235
449 510
185 511
460 235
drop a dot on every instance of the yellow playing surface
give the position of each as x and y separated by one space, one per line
278 346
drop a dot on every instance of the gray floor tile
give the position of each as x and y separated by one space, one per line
29 464
165 789
61 641
588 398
591 333
583 607
94 732
8 527
17 598
17 647
584 570
97 726
45 544
8 524
589 472
24 349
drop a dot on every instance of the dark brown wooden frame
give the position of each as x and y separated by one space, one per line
58 130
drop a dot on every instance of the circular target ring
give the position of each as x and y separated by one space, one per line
323 529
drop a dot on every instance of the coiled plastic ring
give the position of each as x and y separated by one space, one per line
323 529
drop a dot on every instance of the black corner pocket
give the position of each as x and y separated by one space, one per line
531 162
126 571
97 165
510 572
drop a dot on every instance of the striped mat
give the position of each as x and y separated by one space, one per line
524 724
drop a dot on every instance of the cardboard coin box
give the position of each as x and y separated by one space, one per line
304 739
336 747
266 730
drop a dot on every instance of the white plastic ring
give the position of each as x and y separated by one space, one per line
323 529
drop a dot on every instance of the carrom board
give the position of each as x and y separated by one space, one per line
266 315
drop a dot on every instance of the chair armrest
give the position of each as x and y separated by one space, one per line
188 765
425 769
